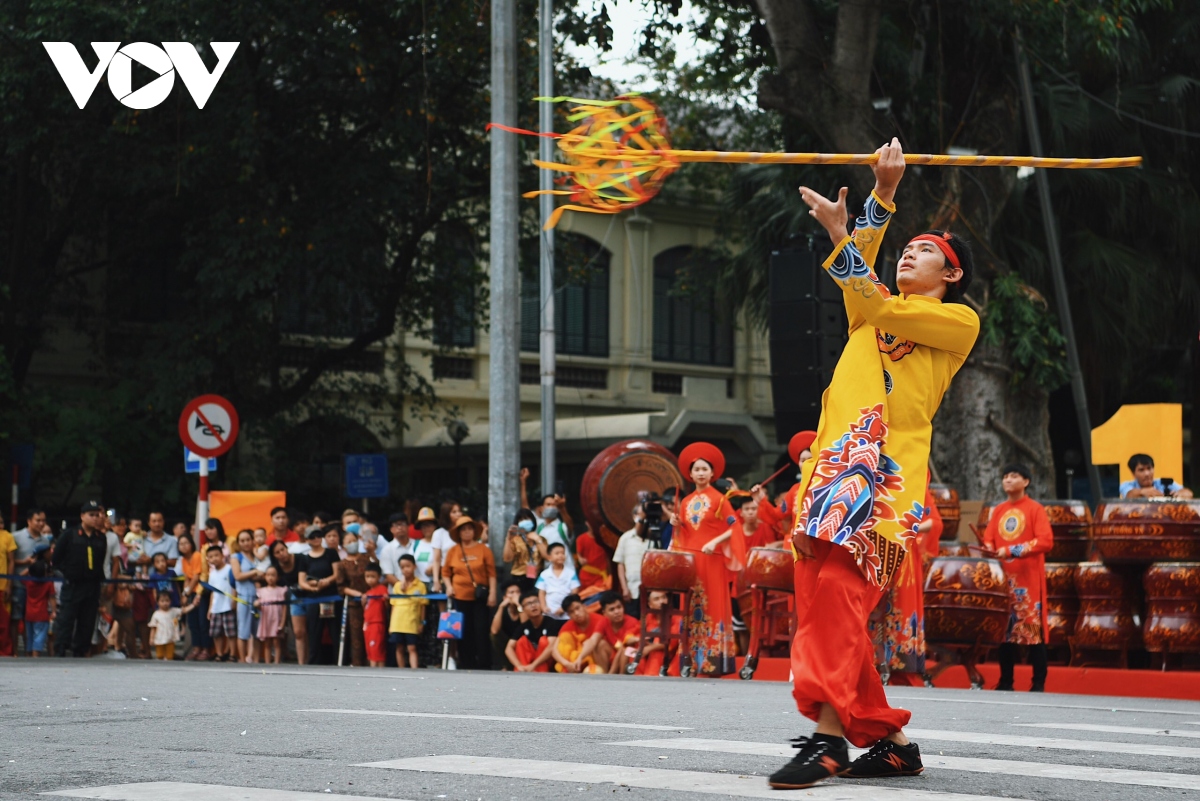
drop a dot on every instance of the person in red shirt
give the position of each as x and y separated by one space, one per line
376 607
1019 535
279 527
39 608
780 518
655 655
578 639
594 575
619 634
702 526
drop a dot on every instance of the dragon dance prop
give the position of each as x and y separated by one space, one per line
620 155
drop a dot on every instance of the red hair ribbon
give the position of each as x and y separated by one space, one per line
943 243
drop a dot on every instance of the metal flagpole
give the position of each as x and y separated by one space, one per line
1078 391
504 419
546 205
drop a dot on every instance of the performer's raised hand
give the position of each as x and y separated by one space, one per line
888 170
830 214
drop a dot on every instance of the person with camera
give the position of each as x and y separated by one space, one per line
631 549
523 550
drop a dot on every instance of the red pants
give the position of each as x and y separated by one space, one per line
526 653
833 658
376 640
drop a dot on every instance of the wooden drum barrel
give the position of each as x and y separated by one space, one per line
1070 522
1106 609
1146 530
613 480
673 571
946 499
953 549
1172 607
966 601
1062 601
770 569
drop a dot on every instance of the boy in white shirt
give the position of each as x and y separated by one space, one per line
222 621
556 582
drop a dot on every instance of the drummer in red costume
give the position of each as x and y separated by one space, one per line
702 527
780 518
863 493
1019 534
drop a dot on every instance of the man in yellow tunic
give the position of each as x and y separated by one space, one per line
863 493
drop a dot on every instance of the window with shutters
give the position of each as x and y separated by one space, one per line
688 325
454 313
581 269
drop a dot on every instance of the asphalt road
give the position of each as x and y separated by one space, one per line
237 733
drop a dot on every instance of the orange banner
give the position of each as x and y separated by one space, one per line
239 510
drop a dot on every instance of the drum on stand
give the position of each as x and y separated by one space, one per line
1108 617
611 484
770 581
1140 531
1062 602
1172 608
945 498
966 612
672 572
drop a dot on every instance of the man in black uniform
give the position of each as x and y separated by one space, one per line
80 553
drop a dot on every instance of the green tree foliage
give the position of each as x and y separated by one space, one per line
261 248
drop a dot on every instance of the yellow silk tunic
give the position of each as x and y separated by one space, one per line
865 487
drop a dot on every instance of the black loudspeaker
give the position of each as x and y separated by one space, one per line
807 334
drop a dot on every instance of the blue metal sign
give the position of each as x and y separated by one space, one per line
191 463
366 475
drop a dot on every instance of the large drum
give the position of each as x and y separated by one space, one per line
615 477
770 569
946 499
673 571
1062 601
1145 530
1069 520
966 601
1107 603
1172 607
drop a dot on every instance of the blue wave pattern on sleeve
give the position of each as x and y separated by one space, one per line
849 262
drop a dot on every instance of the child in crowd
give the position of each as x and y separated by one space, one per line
621 632
655 655
164 624
577 649
162 578
407 613
271 603
556 582
39 608
134 540
375 624
222 621
262 553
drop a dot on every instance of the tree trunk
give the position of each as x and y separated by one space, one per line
986 423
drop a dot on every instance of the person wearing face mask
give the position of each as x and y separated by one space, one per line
354 585
420 550
552 529
523 550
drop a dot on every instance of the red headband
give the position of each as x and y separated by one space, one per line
943 243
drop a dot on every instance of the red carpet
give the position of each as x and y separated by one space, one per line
1182 685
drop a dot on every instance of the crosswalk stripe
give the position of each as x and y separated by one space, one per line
1093 746
1038 770
503 719
732 784
187 791
1111 729
953 700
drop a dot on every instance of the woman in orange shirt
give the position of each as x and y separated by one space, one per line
702 525
470 570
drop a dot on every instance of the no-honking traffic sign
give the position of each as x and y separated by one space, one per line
208 425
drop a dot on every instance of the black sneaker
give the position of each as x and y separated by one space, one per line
817 760
1005 686
887 759
1038 688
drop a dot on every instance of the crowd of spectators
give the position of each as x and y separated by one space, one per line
325 589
